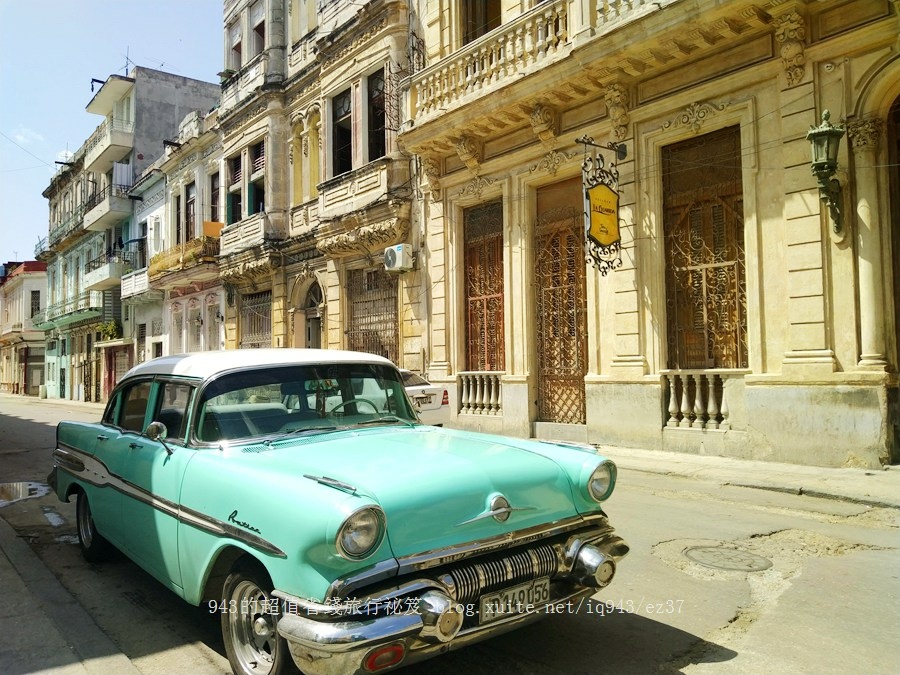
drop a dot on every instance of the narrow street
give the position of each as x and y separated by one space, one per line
720 579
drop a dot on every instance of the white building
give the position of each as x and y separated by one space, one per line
23 294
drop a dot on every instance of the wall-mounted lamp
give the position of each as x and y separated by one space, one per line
824 141
198 322
219 316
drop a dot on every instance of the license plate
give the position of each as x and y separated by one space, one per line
423 399
527 597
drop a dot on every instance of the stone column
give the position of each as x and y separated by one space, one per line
864 138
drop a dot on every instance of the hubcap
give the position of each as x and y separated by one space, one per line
252 628
85 523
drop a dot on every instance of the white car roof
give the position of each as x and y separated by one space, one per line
206 364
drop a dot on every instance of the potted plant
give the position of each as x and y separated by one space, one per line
110 330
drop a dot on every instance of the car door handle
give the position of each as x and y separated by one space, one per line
135 446
102 438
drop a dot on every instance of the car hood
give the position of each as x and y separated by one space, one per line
435 486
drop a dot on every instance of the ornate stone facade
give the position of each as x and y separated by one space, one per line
509 108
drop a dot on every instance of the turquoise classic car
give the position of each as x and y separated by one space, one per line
296 494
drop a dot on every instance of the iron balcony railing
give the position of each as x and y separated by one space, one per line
125 257
106 193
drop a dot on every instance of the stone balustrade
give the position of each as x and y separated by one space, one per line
697 399
480 393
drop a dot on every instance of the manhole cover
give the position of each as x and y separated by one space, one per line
722 558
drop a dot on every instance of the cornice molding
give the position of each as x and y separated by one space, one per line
365 240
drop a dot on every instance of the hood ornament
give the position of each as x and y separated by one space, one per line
499 509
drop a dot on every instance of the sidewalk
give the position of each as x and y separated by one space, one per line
875 487
47 630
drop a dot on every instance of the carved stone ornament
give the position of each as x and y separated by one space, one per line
552 161
544 123
694 116
366 239
431 167
790 32
617 106
211 299
304 272
250 269
865 133
475 187
469 151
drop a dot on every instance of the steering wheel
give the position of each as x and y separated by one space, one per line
354 400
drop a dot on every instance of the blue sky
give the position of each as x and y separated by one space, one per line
49 51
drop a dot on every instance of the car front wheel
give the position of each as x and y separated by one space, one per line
250 624
94 547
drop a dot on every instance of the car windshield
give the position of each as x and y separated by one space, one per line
300 399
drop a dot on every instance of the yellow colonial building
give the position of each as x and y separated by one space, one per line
408 179
743 310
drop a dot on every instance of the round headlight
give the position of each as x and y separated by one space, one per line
603 479
361 533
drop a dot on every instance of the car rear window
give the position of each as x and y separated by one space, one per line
410 379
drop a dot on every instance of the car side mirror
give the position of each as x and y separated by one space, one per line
156 431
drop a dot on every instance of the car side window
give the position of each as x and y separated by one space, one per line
174 401
134 407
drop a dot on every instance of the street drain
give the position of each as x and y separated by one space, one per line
721 558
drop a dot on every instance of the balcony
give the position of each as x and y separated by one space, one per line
85 305
70 224
236 86
304 219
558 56
106 271
357 189
42 249
10 330
107 208
136 288
518 48
183 264
40 320
249 232
111 141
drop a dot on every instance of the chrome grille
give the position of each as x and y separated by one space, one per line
475 579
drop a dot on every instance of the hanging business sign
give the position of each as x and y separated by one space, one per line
603 241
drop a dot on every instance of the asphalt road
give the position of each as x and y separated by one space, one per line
822 596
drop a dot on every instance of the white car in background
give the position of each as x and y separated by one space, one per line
432 402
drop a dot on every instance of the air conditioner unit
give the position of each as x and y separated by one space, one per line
398 258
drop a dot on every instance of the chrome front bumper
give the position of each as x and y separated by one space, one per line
430 620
